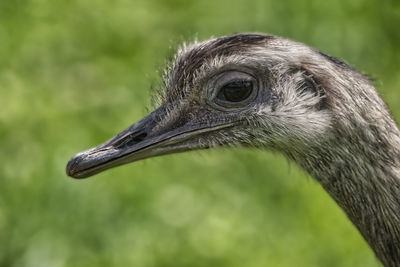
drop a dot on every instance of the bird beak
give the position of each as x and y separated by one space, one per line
144 139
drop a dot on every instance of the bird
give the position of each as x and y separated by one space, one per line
269 92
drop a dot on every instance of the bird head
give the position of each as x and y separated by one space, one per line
239 90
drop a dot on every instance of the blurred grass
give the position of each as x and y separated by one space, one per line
74 73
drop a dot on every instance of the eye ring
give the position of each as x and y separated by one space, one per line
234 89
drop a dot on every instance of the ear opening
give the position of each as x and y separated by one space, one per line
308 84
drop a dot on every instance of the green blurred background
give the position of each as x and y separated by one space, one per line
74 73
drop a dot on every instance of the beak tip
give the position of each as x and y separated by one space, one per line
72 169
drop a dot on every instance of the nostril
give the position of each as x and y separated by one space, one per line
134 139
140 137
130 140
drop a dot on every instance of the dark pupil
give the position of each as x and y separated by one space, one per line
236 91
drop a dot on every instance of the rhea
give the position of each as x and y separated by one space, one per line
270 92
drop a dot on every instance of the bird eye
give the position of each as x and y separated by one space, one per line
235 91
232 89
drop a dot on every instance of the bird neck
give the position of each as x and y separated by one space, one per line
361 171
